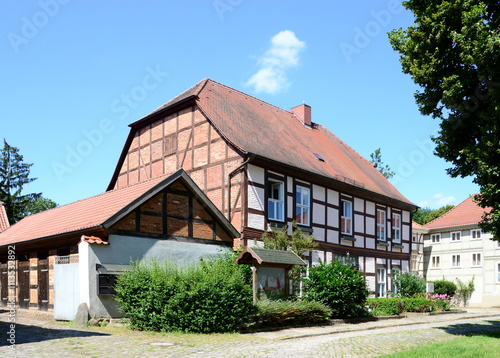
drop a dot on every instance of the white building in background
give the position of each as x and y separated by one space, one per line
417 248
455 247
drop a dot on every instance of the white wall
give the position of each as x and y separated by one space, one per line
123 250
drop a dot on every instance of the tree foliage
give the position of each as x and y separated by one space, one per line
14 174
453 53
210 296
376 160
425 215
408 284
337 285
298 242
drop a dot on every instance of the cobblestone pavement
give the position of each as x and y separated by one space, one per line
37 335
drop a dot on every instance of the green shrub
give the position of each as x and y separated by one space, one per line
443 287
464 291
286 313
419 304
408 284
386 306
212 296
339 286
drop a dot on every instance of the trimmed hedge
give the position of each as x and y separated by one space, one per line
207 297
395 306
290 313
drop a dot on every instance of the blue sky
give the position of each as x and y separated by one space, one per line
74 74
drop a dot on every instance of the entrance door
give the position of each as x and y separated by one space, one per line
24 284
43 284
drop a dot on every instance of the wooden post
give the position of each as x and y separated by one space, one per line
255 283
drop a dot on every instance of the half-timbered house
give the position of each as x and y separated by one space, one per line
57 259
264 166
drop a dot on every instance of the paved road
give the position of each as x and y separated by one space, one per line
38 336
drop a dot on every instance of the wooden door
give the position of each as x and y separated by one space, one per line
43 284
24 284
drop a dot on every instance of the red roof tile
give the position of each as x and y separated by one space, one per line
82 214
465 213
94 240
259 128
100 211
4 220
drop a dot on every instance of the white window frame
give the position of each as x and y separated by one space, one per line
498 272
435 262
346 218
456 236
381 282
476 259
435 238
276 202
381 226
396 229
477 233
456 261
302 206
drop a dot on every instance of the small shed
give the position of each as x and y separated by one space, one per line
269 270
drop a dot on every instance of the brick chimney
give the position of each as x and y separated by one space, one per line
304 113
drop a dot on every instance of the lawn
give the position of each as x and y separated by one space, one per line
486 344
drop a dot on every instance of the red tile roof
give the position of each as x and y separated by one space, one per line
416 225
4 220
83 214
465 213
259 128
101 211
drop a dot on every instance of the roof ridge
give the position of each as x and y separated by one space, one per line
246 95
103 193
449 211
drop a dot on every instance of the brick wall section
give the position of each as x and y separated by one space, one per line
33 281
187 140
180 217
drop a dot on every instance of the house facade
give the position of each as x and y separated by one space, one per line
263 166
456 248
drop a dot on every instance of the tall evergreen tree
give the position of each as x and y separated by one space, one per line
14 174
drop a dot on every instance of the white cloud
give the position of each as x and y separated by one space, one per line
443 200
282 55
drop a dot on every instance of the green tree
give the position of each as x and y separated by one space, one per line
14 174
408 284
376 160
278 239
337 285
453 53
425 215
38 205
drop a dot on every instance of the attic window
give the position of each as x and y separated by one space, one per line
319 157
